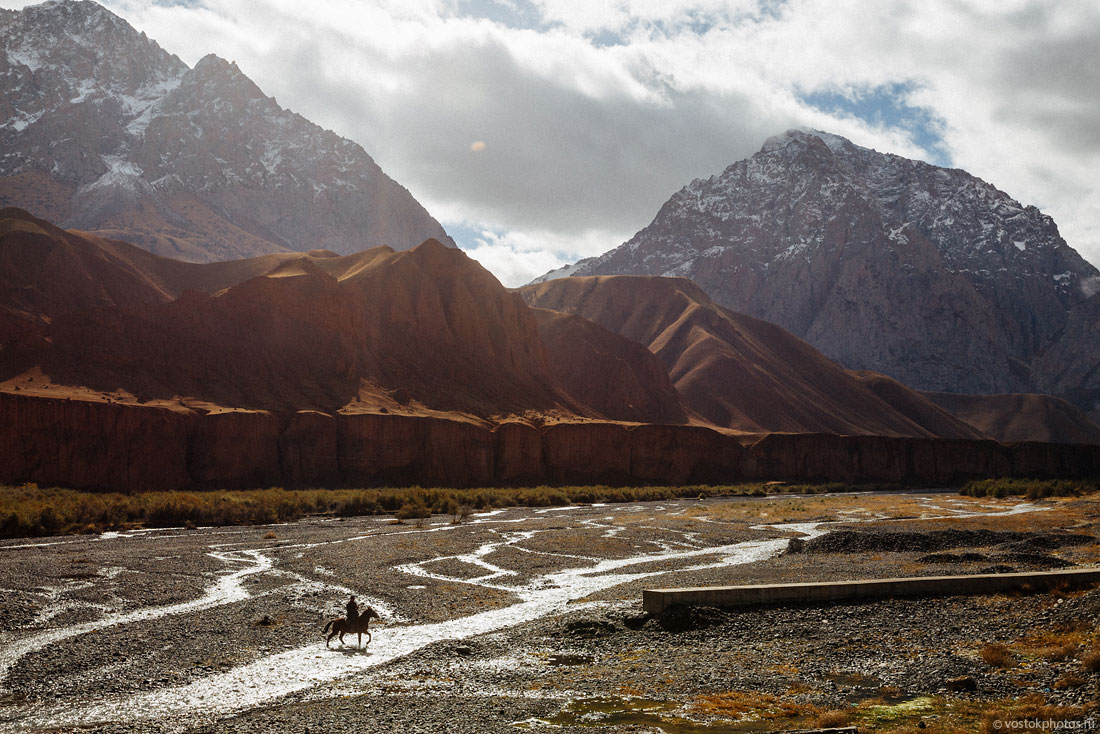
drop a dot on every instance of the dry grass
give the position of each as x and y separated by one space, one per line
918 512
838 508
1033 708
935 715
1053 644
997 655
31 511
1070 680
799 687
1057 653
1056 643
748 705
828 719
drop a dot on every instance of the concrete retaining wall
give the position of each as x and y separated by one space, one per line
656 601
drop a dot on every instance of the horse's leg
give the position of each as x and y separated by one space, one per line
329 639
360 643
368 637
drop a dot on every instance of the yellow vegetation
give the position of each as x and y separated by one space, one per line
997 655
748 705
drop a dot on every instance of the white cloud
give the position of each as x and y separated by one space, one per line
517 256
594 113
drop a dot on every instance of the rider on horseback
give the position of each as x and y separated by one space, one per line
352 610
356 623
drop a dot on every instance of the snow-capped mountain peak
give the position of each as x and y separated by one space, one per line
102 129
926 273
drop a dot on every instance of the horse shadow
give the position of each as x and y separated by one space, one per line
350 651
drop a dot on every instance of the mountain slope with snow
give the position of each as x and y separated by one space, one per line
103 130
927 274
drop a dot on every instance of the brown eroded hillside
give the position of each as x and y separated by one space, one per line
426 329
618 377
734 370
123 370
918 407
420 331
1021 417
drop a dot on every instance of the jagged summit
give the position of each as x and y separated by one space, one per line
69 17
804 137
214 74
927 274
104 130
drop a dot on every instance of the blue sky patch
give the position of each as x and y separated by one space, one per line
464 236
509 13
886 106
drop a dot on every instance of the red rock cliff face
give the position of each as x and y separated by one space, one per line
129 447
819 457
308 453
238 448
93 444
381 449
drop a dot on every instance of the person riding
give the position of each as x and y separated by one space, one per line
352 610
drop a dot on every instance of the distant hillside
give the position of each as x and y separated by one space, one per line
734 370
104 131
1026 417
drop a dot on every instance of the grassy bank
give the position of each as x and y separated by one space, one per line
1031 488
29 511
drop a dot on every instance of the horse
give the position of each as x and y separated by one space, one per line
341 626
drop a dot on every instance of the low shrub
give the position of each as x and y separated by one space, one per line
414 510
1069 680
461 513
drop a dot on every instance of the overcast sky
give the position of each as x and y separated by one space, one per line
541 131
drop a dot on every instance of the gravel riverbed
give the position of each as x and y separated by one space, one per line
531 620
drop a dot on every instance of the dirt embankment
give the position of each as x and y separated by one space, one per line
110 445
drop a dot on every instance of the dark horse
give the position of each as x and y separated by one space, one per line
341 626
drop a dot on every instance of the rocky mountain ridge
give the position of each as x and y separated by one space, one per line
926 274
103 130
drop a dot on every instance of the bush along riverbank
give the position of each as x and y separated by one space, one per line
1033 489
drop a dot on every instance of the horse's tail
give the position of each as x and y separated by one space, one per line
327 625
